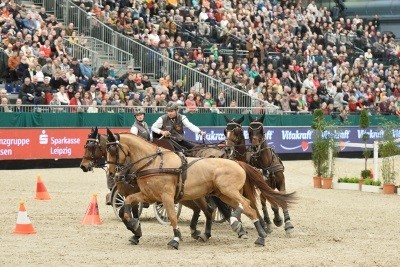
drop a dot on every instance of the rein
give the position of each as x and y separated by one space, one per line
181 172
256 159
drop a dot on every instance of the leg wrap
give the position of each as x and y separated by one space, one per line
286 215
266 216
260 230
237 212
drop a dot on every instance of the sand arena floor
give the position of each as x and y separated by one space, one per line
332 227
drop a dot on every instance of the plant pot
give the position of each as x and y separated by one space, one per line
317 181
360 183
326 183
370 188
346 186
388 189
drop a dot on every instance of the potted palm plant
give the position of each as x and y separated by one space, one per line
322 146
364 124
388 149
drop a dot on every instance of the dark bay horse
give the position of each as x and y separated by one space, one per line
94 156
165 176
237 149
265 158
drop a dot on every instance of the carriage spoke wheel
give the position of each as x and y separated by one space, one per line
161 213
218 217
117 201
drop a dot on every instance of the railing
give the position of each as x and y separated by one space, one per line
147 59
130 109
107 52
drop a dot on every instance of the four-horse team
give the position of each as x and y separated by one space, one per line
201 177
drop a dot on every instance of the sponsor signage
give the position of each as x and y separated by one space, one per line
43 143
298 139
62 143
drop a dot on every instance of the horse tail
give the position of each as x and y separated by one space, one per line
256 179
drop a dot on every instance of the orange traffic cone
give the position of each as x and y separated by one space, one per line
24 225
41 191
92 214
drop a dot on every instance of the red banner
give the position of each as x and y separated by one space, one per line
44 143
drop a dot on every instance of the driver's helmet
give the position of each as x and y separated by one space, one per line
139 111
172 106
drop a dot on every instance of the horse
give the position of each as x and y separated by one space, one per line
265 158
168 177
95 155
236 145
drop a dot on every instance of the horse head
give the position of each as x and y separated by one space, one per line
233 131
94 151
256 130
116 155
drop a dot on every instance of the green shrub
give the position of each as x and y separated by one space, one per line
350 180
372 182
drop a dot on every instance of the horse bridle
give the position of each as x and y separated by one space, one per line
92 144
237 129
256 126
114 146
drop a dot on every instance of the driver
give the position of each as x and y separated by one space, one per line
171 125
140 127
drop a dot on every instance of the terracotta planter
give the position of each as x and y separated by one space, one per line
360 183
317 181
326 183
388 189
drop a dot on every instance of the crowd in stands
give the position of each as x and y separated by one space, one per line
315 69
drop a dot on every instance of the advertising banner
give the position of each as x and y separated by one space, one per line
68 143
298 139
43 143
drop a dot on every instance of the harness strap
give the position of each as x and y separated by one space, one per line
180 185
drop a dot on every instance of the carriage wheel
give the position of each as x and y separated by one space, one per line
117 201
161 213
218 217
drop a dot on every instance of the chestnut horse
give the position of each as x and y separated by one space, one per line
94 156
165 176
265 158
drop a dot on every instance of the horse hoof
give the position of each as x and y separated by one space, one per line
134 240
289 228
236 226
202 238
260 241
278 222
173 244
242 234
195 234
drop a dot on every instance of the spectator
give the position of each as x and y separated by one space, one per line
63 96
93 108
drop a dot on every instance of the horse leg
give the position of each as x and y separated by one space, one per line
195 218
277 218
242 204
226 211
132 222
289 228
168 201
266 218
203 205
